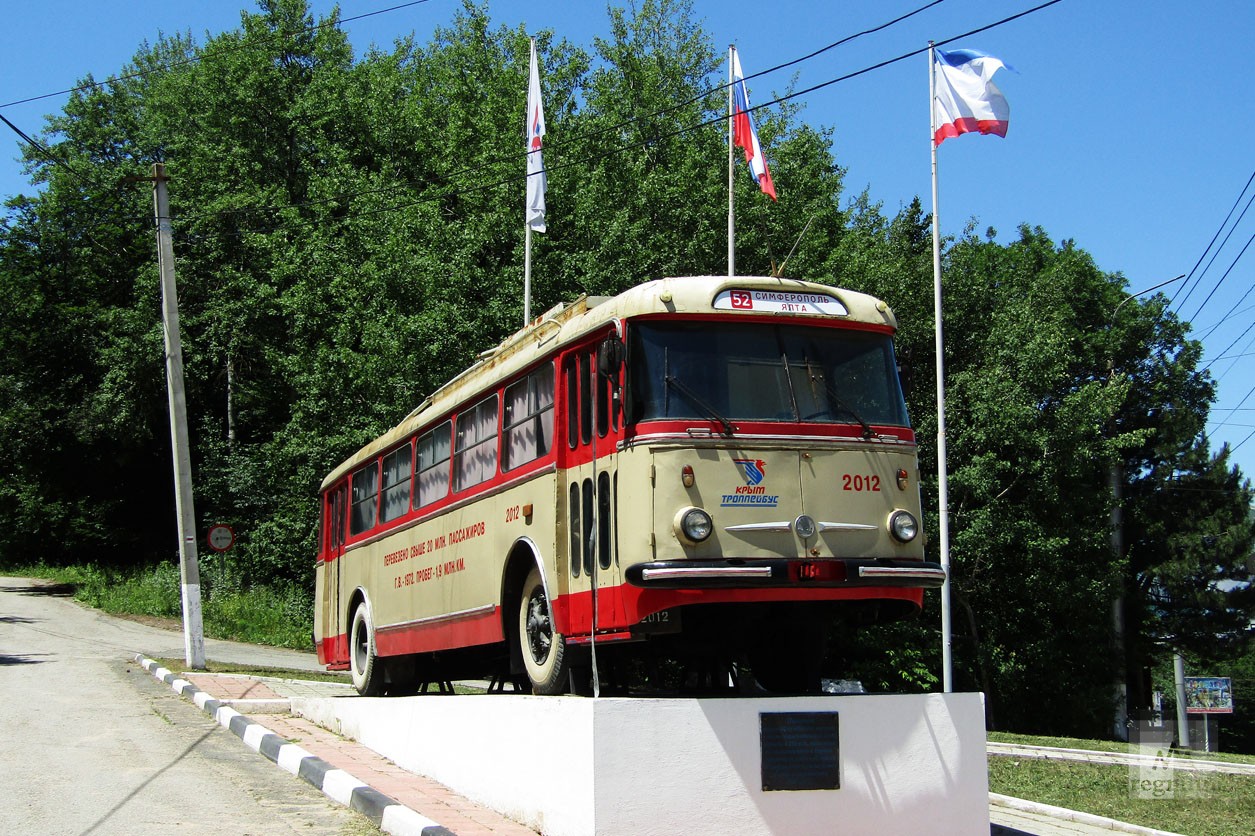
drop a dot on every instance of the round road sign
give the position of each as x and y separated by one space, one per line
221 537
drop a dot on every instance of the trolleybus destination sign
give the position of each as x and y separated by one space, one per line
779 301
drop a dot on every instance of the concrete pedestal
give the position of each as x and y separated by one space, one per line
570 766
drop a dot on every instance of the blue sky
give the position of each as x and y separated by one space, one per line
1131 121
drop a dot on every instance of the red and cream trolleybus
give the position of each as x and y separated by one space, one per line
702 465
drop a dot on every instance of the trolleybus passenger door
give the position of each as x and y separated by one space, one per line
336 517
608 431
594 427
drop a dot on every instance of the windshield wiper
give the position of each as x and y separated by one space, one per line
699 402
833 398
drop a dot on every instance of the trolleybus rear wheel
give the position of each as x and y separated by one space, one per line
544 650
364 665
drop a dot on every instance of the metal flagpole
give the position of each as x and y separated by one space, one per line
731 169
534 130
527 274
527 221
943 501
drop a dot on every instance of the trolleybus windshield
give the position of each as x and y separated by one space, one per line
763 372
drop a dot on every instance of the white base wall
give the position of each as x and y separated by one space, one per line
572 766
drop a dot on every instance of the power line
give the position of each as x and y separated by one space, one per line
1207 249
1240 301
1220 281
334 20
57 161
721 87
1243 441
1211 329
1245 397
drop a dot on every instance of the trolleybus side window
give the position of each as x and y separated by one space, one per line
574 508
365 498
577 371
475 450
586 401
601 385
433 465
334 520
587 529
528 419
572 382
603 519
398 469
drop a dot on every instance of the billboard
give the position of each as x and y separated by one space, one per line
1208 695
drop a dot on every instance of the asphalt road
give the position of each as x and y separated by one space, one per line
93 744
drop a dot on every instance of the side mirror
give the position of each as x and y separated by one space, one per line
610 355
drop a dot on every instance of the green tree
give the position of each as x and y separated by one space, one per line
1189 584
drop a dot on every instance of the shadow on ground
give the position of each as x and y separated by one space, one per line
54 590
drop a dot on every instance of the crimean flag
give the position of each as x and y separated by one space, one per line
966 100
743 133
535 131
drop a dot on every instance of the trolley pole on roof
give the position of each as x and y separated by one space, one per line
189 571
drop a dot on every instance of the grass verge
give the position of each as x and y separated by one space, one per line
258 615
1171 799
1109 746
284 673
180 665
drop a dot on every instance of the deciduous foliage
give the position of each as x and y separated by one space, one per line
348 234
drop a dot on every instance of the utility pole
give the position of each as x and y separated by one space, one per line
1183 716
189 570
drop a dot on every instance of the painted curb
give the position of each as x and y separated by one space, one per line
1175 761
1074 815
388 815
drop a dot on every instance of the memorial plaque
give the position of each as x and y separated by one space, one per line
800 750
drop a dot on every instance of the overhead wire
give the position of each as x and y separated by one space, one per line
1211 243
336 22
55 160
1240 301
1221 280
1233 308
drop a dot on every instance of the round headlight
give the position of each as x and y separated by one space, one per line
694 525
903 526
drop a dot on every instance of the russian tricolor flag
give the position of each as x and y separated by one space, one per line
743 133
966 100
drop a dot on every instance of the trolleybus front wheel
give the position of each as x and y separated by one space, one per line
544 650
364 664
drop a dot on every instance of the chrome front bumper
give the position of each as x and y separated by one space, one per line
786 572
